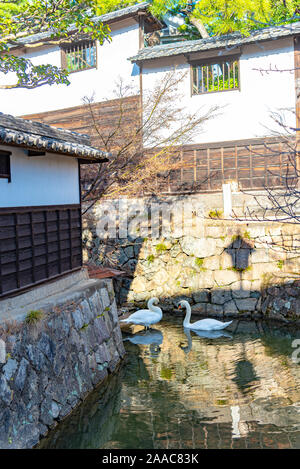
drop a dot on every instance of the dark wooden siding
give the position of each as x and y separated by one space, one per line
105 114
37 244
254 164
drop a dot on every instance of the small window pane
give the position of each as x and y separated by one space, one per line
219 76
5 165
80 56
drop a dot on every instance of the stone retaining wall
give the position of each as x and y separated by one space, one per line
223 270
49 365
281 301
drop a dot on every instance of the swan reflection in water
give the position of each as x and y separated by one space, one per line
152 337
204 335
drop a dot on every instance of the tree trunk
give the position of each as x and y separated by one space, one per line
200 26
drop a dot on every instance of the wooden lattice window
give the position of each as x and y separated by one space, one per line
215 76
5 165
81 56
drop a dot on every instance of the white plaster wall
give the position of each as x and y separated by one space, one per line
101 83
42 180
242 114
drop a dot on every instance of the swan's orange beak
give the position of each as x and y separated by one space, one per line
179 307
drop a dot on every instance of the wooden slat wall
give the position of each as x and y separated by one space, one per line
37 244
254 164
106 114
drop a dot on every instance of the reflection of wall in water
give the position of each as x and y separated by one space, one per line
211 376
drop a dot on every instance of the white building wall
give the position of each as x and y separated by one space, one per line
39 180
242 114
101 82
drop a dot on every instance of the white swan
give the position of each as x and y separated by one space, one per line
203 324
146 317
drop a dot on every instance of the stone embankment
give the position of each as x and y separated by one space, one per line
52 359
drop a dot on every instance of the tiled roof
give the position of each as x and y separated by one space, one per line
118 14
216 42
37 136
107 18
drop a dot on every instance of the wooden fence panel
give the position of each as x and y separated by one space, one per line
37 244
254 165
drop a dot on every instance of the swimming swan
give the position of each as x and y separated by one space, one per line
203 324
146 317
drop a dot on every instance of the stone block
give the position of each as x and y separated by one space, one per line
138 285
247 304
212 263
77 319
198 247
230 308
214 310
202 296
277 254
215 231
241 289
88 312
19 381
259 256
129 251
2 351
258 270
226 277
219 296
113 311
10 368
199 308
227 259
104 297
204 280
5 391
256 285
256 231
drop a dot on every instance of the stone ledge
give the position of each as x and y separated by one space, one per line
48 303
40 293
48 367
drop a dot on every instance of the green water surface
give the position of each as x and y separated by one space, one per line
239 390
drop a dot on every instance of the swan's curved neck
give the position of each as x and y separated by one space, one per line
155 309
188 313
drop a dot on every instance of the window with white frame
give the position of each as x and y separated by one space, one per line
215 75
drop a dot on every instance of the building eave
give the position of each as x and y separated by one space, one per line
18 132
108 18
228 42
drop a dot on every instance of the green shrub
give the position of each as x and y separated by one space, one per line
33 316
215 213
150 258
199 261
280 264
161 247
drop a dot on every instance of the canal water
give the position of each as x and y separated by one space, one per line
178 390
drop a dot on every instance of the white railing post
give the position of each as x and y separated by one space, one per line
227 200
